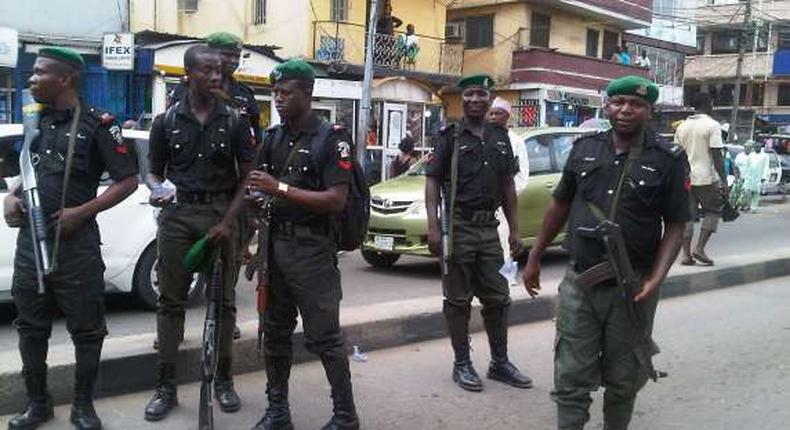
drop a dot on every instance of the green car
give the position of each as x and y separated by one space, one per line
398 219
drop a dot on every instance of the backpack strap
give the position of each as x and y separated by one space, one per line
318 150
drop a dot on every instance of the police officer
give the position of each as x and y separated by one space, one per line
76 286
484 181
204 148
235 93
595 338
307 165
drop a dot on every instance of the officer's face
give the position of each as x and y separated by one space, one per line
498 116
49 79
230 61
291 99
206 76
628 114
476 101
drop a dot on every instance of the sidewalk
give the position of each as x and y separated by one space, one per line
409 387
127 362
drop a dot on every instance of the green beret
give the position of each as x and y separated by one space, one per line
198 257
64 55
293 68
633 86
224 40
484 81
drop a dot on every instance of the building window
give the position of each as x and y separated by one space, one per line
259 12
540 29
592 42
339 10
784 95
722 94
758 91
784 40
726 42
187 5
479 32
701 41
331 49
689 91
610 43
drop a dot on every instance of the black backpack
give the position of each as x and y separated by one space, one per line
351 225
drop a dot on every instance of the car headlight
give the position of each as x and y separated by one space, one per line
417 210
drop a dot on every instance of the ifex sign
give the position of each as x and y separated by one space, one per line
118 51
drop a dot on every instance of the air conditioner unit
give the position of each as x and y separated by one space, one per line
453 30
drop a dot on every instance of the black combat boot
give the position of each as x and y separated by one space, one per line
34 371
344 415
278 413
223 388
495 319
464 373
165 394
83 415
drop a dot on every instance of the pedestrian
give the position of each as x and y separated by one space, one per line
474 163
76 285
643 61
700 136
386 46
640 182
755 176
625 55
411 46
617 56
204 147
406 158
306 164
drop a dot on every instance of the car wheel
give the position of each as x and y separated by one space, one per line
146 280
380 259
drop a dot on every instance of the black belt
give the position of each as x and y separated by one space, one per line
288 228
203 197
476 215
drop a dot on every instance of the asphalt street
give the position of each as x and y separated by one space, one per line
411 277
725 351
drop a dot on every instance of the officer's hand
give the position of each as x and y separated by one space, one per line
71 219
219 232
516 246
648 288
13 211
434 242
531 275
260 181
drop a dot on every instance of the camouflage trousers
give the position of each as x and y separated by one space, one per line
595 346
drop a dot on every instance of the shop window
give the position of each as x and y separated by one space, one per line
540 30
610 43
783 98
479 32
592 42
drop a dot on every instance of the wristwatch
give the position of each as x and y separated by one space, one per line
282 189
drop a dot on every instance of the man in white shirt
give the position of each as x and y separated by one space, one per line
700 136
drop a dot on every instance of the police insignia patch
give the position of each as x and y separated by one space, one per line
641 90
115 131
344 150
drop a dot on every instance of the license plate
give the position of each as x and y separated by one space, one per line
384 243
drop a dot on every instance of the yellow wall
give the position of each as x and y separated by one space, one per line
511 29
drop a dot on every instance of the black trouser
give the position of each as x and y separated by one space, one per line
77 289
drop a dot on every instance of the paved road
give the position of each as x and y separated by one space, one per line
725 351
411 277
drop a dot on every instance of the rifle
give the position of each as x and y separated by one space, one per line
444 225
211 330
32 201
610 234
260 262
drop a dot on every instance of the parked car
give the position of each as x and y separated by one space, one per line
398 219
128 233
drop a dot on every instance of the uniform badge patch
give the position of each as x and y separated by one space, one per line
641 90
344 150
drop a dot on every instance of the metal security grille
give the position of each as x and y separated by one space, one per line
259 12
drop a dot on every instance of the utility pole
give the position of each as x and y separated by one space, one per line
736 96
365 104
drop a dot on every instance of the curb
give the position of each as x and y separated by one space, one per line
134 372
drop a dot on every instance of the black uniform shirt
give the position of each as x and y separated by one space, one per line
98 147
481 163
200 157
306 170
655 191
242 98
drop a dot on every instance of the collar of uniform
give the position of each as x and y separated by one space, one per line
311 128
184 109
61 115
466 127
648 142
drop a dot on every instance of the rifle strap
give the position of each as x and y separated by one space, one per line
633 156
453 187
66 176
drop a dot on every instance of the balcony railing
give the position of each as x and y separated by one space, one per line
339 41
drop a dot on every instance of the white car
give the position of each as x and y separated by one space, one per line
128 234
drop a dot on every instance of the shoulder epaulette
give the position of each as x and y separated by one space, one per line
673 149
449 127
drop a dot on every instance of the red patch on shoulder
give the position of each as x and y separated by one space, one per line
107 118
345 164
121 149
